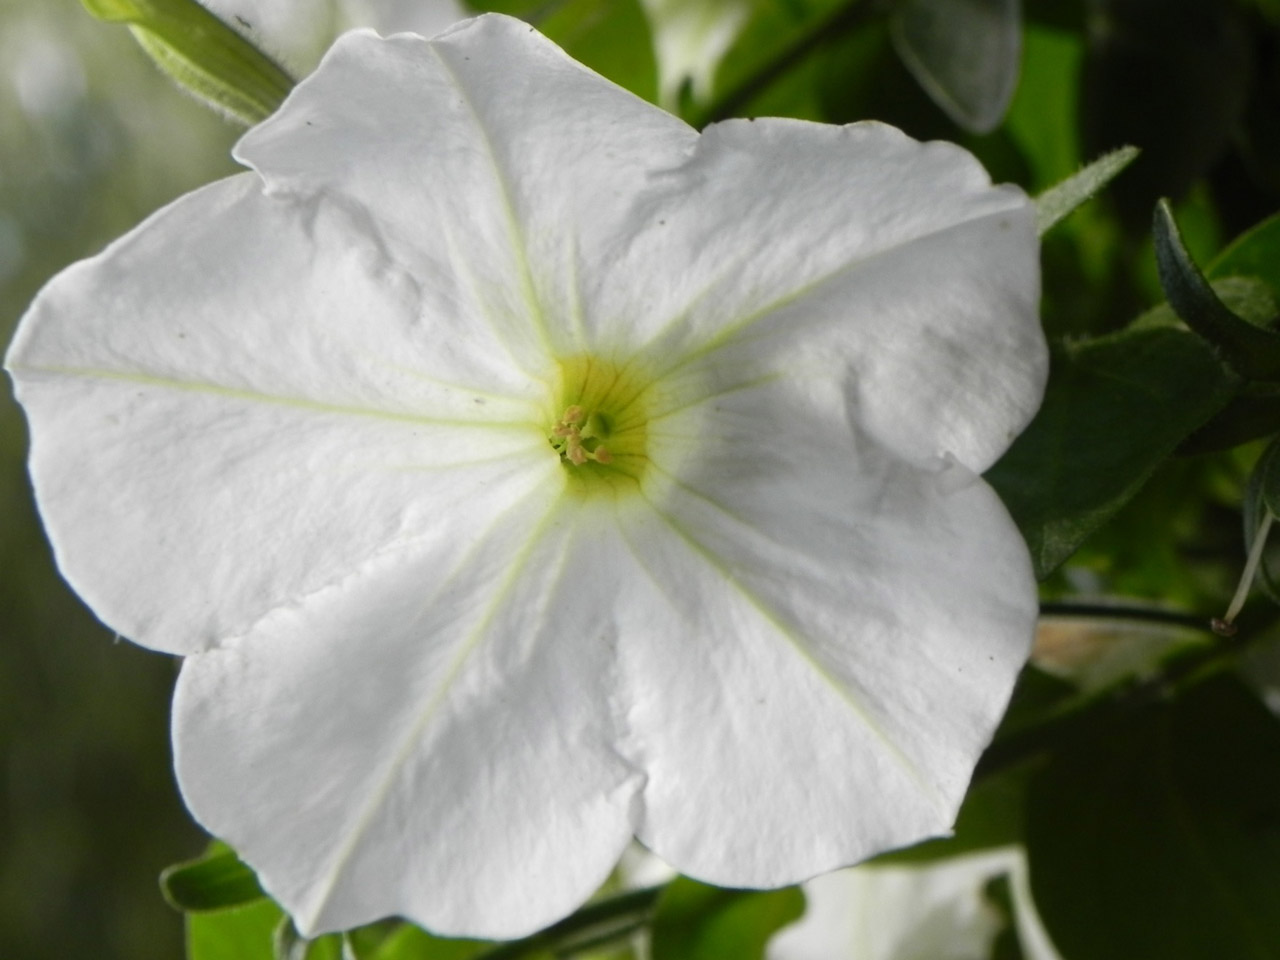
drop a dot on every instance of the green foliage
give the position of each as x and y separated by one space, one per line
240 933
213 882
694 921
1062 199
407 942
1158 836
1255 253
1115 409
1250 349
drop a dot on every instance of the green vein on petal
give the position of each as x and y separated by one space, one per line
907 765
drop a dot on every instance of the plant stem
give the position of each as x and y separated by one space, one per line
1105 611
838 21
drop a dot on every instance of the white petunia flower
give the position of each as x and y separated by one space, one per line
690 38
521 470
934 911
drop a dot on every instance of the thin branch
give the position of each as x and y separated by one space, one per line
1106 611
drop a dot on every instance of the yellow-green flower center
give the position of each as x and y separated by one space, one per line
600 424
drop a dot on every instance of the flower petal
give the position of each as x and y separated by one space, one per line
240 403
839 632
937 910
892 266
514 184
432 738
589 221
690 38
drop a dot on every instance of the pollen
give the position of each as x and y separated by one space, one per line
599 424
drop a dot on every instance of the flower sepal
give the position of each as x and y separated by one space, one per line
203 55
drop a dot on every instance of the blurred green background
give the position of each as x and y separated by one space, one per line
92 138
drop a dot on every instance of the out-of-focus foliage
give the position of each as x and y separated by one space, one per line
1140 777
91 140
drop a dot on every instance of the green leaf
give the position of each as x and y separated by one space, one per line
411 943
1255 253
257 931
1115 408
1251 350
244 933
1061 199
202 54
1159 836
212 882
695 921
964 53
1247 417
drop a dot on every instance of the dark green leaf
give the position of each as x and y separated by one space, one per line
1159 837
964 53
1115 408
202 54
1062 198
1255 253
695 921
1247 417
213 882
1251 350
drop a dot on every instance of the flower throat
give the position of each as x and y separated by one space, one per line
600 424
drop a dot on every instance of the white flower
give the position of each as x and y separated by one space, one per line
690 38
521 470
935 911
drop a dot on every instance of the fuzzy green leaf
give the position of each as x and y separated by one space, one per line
1056 203
1251 350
